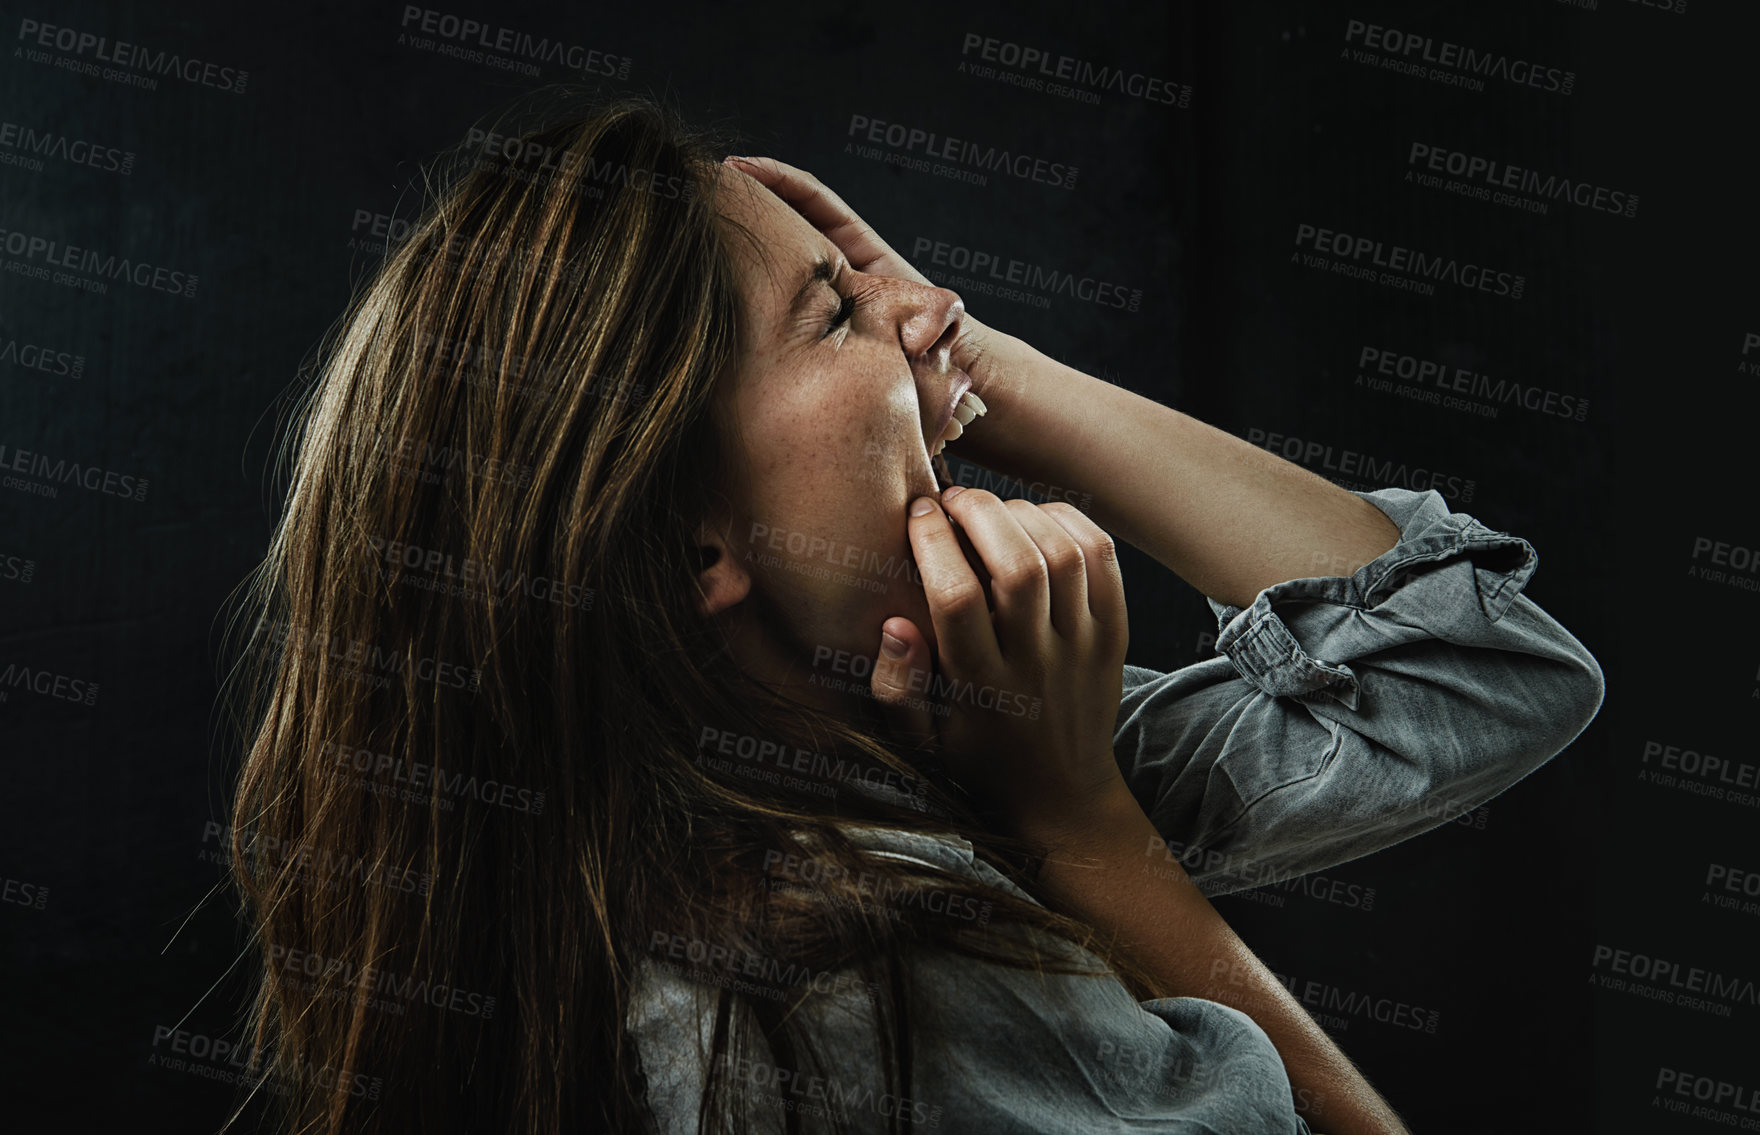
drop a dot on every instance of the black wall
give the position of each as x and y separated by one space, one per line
1637 303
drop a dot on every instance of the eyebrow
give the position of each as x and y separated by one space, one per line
821 273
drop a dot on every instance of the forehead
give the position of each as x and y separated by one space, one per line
781 247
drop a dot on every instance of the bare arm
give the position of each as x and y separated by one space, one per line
1097 871
1058 635
1224 515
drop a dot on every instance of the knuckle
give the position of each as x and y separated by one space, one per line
1065 559
974 498
1024 571
1103 547
961 599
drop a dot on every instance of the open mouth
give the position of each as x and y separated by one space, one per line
963 408
943 475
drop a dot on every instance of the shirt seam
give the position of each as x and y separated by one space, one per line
1326 759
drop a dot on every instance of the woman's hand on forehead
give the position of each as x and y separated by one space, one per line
831 215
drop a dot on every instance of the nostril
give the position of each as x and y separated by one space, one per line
946 338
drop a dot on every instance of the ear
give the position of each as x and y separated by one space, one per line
722 580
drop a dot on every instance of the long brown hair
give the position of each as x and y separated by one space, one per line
473 687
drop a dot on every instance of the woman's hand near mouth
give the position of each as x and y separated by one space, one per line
1028 693
1056 641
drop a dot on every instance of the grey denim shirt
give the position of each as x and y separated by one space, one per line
1343 714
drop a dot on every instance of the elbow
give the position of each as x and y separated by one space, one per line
1578 691
1560 704
1586 689
1594 691
1531 711
1559 687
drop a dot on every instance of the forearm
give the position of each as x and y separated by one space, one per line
1226 516
1097 872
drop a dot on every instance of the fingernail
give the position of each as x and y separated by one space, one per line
735 158
948 494
893 646
922 506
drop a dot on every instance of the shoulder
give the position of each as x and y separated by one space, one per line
995 1045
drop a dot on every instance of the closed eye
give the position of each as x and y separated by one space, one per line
840 314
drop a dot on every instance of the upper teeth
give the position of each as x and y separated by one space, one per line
970 406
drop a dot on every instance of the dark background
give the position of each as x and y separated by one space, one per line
108 933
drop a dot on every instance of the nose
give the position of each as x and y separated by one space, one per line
924 313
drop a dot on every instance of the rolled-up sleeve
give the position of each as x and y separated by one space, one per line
1348 713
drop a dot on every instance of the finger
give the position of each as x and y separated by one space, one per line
901 684
965 637
1020 580
1069 574
809 196
1105 578
825 211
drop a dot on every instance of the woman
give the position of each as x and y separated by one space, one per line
646 735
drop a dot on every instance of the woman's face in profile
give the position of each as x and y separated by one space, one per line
838 408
